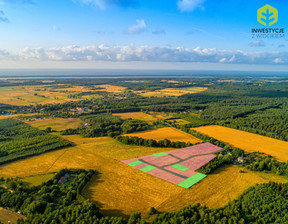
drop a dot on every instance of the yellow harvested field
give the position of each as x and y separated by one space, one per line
247 141
7 216
171 92
31 95
50 93
120 190
111 88
57 124
170 133
135 115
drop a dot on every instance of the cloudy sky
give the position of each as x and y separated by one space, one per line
179 34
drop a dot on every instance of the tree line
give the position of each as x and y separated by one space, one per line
166 143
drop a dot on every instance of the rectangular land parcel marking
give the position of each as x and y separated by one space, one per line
148 168
160 154
135 163
177 166
180 167
189 182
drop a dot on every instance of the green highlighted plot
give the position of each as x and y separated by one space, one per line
189 182
160 154
148 168
135 163
180 167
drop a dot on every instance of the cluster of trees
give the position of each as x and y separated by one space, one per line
107 125
133 140
261 162
18 140
51 202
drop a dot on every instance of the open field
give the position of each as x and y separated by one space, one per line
38 179
31 95
170 133
118 183
57 124
171 92
135 115
49 94
247 141
111 88
7 216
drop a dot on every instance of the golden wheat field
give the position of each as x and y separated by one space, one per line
48 94
120 190
111 88
247 141
135 115
171 92
31 95
57 124
170 133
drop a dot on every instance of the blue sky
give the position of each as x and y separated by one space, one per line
190 34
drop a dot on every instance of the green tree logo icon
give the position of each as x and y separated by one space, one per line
267 15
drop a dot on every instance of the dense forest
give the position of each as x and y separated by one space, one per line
105 124
18 140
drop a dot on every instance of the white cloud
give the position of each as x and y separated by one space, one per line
189 5
139 27
130 53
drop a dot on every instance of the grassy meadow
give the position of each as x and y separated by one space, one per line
135 115
57 124
9 217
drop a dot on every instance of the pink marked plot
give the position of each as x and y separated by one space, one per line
200 149
160 161
196 162
140 166
164 175
187 173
